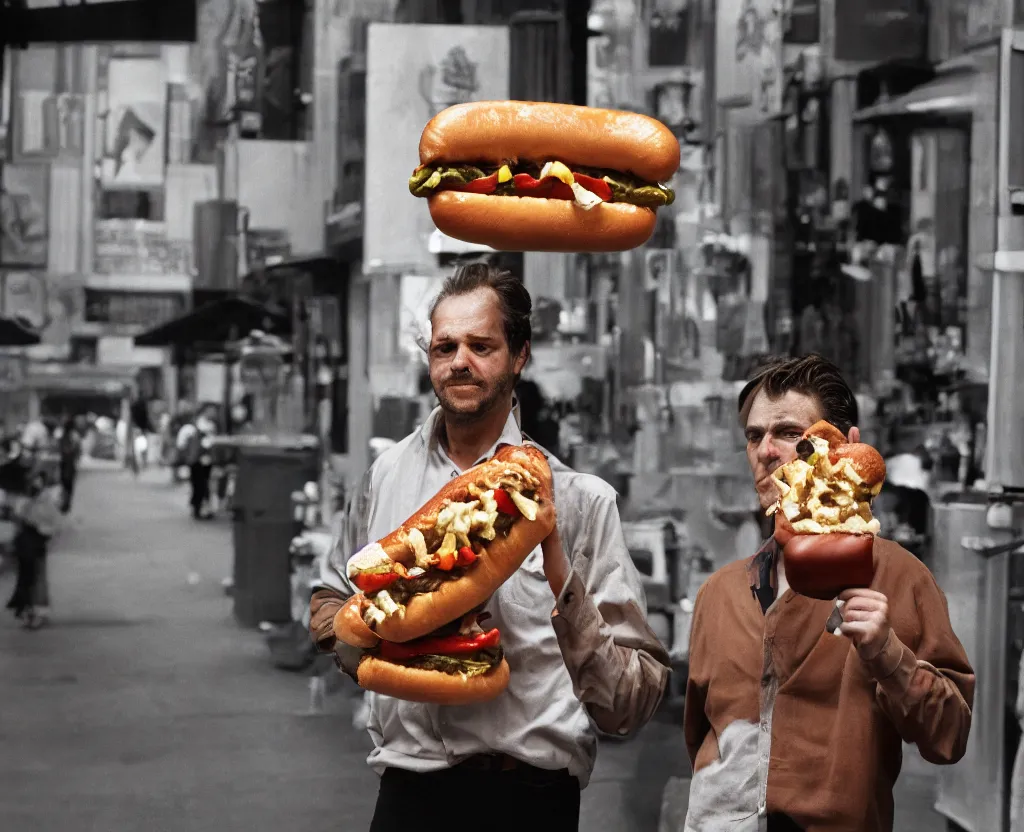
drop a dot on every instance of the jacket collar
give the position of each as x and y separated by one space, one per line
761 573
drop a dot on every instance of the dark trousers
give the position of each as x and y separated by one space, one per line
522 800
68 475
29 589
199 476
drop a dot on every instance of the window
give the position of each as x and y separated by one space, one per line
131 205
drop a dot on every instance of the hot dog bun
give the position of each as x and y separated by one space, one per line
350 627
524 223
430 686
397 545
827 431
499 131
823 565
428 611
783 530
835 557
867 462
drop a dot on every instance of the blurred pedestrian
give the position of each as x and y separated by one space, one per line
36 514
136 442
69 447
35 437
195 440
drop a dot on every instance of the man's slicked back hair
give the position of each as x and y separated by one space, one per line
513 297
811 375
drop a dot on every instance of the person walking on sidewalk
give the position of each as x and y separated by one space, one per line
796 709
69 447
194 442
36 513
573 618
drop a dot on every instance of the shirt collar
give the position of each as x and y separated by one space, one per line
761 573
511 433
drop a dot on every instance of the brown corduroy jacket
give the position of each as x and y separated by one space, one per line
785 717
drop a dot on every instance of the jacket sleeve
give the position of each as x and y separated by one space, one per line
333 587
618 667
695 721
928 692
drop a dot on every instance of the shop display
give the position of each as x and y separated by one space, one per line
823 516
584 179
453 552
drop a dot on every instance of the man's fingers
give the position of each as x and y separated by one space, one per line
860 615
872 604
853 628
849 594
855 434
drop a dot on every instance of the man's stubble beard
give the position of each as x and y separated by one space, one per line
500 390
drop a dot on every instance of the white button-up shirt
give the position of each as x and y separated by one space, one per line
593 659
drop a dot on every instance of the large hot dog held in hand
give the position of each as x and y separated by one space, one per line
823 516
537 176
455 551
458 664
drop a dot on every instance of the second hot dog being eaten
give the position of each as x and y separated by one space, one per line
829 487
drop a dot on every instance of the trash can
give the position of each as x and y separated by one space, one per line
264 527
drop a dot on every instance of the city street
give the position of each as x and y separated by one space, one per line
145 705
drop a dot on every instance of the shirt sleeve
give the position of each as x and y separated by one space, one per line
618 667
928 693
333 588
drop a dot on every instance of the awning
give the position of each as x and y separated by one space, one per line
17 333
216 323
80 379
319 265
949 95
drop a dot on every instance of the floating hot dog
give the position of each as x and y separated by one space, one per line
535 176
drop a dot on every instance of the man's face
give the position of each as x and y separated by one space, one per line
774 426
471 368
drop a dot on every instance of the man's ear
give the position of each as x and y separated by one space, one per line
521 361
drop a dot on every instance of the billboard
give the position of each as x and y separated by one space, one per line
413 72
881 30
748 55
24 215
135 124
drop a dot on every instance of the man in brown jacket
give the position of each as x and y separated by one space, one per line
796 709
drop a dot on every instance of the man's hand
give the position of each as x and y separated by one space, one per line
556 564
865 621
323 606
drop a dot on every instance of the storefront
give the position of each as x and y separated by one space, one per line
919 242
925 240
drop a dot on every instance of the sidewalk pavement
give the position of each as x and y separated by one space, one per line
146 706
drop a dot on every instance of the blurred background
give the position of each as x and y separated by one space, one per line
212 273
